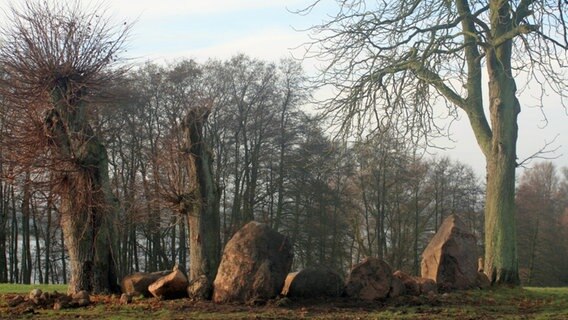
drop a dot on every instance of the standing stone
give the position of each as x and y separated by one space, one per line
313 283
254 265
369 280
450 259
137 283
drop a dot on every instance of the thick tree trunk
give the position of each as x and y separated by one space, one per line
203 210
497 139
500 232
87 221
501 263
87 203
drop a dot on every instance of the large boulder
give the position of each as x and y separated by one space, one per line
450 259
369 280
171 286
313 283
137 283
254 265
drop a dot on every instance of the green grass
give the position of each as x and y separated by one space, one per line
6 288
500 303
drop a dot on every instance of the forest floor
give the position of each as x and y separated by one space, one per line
501 303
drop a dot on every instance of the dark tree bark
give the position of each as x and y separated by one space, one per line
203 205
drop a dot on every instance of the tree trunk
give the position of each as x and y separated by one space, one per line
501 263
87 225
26 268
88 211
37 236
203 210
4 200
14 273
47 242
500 233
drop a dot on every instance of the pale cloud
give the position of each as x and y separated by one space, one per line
266 45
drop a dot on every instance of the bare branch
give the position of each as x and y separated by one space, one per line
544 153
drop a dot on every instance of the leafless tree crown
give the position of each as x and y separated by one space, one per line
53 43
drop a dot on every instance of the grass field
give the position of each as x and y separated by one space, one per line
501 303
26 288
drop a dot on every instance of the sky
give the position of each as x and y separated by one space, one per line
170 30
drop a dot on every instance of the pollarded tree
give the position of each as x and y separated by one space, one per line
391 62
56 56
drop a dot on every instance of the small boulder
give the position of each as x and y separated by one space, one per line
125 298
483 281
81 303
62 301
35 293
427 286
254 265
45 296
35 296
450 259
199 289
369 280
16 301
137 283
81 295
313 282
411 286
80 299
397 288
171 286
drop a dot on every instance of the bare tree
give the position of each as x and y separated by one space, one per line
392 62
539 211
56 56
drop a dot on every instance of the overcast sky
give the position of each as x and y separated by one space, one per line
167 30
